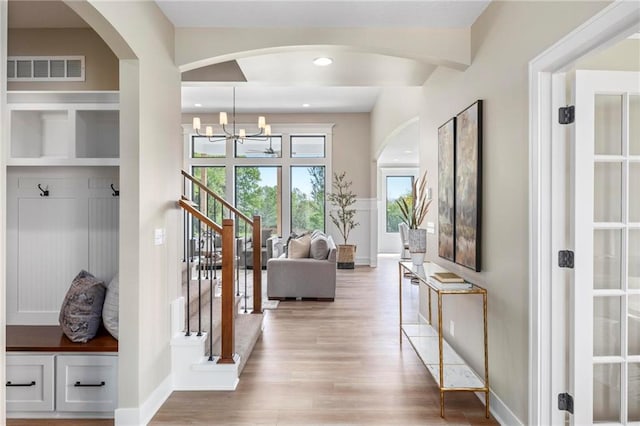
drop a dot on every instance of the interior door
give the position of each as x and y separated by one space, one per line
604 359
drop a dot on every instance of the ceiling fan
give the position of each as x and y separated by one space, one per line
266 151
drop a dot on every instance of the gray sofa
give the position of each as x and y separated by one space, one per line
302 278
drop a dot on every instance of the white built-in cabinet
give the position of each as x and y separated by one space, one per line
62 204
63 129
61 384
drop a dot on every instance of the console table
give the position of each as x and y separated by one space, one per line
450 371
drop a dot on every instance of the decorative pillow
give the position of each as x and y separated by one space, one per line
317 232
286 246
81 311
111 307
319 247
299 247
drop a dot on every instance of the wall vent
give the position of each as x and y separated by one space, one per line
45 68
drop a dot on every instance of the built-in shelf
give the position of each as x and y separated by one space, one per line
63 129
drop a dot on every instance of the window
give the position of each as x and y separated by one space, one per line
307 146
283 179
201 147
258 193
269 148
214 178
397 187
307 198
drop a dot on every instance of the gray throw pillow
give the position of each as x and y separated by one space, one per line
111 308
319 247
81 311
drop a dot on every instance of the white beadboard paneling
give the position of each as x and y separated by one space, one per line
51 251
51 239
361 234
103 237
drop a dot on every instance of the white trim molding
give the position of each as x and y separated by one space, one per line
142 415
613 23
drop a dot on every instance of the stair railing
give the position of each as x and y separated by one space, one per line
205 263
216 208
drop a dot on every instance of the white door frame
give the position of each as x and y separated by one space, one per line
385 171
4 30
615 22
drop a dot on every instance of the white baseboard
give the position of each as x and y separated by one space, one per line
143 415
499 410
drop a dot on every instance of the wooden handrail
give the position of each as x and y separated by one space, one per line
201 217
217 197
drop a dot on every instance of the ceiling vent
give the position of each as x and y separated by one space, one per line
45 68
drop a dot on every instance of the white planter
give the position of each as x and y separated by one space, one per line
417 245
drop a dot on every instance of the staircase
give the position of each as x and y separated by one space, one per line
212 338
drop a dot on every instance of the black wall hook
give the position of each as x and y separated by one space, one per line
43 192
116 192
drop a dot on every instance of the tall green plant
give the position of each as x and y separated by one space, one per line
342 197
414 207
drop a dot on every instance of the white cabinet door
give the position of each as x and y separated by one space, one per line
29 383
86 382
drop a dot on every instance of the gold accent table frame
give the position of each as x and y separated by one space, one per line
450 371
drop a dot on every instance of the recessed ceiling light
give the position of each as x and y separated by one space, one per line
395 159
408 151
322 61
305 105
197 105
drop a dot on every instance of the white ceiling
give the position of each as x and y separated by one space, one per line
323 13
273 99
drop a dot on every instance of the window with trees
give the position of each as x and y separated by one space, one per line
257 193
397 187
281 178
307 198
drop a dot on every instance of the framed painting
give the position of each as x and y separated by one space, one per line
446 189
468 187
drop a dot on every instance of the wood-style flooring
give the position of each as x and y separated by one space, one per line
328 363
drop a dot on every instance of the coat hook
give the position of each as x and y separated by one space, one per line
43 192
116 192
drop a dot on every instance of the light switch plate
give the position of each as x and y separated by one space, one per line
431 228
158 236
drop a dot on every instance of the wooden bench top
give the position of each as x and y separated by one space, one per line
50 338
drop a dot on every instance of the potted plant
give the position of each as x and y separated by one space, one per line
414 208
342 197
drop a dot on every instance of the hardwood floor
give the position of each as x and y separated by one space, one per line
329 363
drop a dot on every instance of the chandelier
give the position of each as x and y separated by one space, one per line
264 129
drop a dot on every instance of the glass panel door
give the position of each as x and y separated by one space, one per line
397 187
605 293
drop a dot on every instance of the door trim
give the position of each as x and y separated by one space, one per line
613 23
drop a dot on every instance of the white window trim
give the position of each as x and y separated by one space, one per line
285 162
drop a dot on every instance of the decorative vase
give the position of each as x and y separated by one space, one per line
346 256
417 245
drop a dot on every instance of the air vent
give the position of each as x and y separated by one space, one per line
45 68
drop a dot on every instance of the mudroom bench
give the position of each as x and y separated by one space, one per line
49 376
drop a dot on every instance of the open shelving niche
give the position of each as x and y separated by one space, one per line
63 129
424 337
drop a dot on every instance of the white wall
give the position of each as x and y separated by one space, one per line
150 162
101 65
505 37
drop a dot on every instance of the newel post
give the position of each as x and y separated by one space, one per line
228 297
257 265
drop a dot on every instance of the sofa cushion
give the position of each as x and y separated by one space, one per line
110 309
319 247
299 247
81 311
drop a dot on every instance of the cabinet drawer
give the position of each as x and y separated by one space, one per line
29 382
86 383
